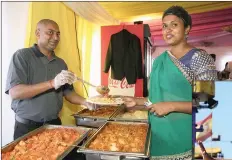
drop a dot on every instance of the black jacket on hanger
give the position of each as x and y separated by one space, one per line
124 56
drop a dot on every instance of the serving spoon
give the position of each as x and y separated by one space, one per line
103 90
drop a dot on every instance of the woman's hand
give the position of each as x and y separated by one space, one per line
129 101
161 109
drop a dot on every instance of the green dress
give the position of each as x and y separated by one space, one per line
171 136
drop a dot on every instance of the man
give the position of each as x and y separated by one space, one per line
225 74
205 155
37 81
229 69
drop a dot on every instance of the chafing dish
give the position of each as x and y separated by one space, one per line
92 121
118 116
113 155
84 131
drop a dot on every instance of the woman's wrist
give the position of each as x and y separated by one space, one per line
171 106
140 101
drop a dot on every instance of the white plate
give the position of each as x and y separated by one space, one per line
100 100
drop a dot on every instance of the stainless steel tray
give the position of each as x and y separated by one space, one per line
94 156
92 121
78 114
116 155
82 130
117 117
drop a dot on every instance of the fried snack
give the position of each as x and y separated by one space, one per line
47 145
105 111
121 138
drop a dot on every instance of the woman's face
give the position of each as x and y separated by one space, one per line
173 30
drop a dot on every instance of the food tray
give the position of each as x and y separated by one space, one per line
102 109
91 121
117 116
94 156
82 130
114 154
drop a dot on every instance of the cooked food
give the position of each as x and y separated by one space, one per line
103 90
121 138
47 145
134 115
104 111
106 100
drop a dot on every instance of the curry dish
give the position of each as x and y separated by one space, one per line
121 138
47 145
105 111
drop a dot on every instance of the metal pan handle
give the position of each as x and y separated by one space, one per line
111 157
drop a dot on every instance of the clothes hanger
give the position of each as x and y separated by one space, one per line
123 27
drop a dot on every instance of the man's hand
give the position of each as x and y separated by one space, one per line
62 78
205 155
91 106
161 108
129 101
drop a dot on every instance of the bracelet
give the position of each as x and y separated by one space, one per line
147 103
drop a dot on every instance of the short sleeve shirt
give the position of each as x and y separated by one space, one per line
29 66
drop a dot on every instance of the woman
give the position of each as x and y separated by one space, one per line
170 91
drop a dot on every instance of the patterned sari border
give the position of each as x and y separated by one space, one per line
181 67
181 156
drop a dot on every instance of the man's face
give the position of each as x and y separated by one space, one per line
48 36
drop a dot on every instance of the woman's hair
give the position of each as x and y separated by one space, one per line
181 13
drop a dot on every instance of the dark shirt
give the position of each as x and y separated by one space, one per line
29 66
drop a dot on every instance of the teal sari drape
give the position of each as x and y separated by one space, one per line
171 135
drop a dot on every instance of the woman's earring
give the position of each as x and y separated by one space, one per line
186 36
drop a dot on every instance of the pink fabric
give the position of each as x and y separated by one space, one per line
218 39
206 26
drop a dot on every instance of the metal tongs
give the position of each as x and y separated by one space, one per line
103 90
